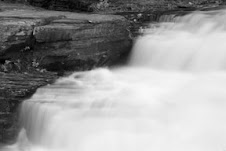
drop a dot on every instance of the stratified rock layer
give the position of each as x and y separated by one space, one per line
54 40
15 87
63 39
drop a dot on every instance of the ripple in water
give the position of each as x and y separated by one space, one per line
171 96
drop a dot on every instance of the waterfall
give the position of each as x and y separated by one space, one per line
194 42
170 96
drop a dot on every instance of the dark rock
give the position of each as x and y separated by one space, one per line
71 41
15 32
80 5
15 87
35 38
64 39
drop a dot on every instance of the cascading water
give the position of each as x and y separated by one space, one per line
170 97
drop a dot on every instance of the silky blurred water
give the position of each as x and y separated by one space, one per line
170 96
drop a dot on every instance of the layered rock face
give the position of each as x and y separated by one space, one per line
63 40
56 41
14 88
88 40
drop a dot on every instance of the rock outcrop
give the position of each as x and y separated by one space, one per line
55 41
15 87
63 40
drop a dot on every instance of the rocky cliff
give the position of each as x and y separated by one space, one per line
41 39
63 39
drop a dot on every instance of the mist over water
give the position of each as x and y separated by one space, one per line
170 97
195 42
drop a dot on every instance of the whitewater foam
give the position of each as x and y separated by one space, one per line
171 96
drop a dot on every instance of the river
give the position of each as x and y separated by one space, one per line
170 96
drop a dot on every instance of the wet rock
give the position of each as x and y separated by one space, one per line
15 87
